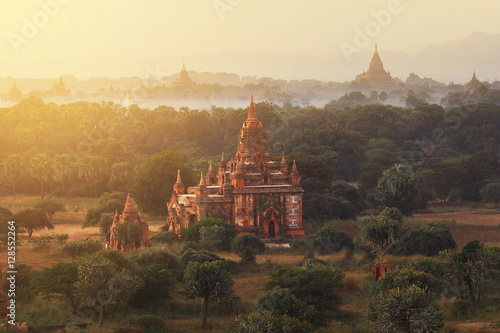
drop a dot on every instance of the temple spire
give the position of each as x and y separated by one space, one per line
252 115
376 47
183 66
211 167
202 180
284 167
474 75
179 186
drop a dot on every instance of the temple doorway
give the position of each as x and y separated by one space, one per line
272 229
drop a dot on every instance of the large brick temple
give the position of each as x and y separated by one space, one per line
256 194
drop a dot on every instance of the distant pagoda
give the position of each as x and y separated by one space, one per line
266 93
376 74
14 93
473 83
183 80
128 101
59 89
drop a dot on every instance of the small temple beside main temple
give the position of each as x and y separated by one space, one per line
252 191
128 215
376 74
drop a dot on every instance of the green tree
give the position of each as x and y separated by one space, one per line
317 286
122 176
165 237
411 309
105 222
404 278
5 216
209 281
398 188
158 282
31 220
491 193
249 241
382 232
282 302
108 203
13 170
78 248
59 281
102 283
25 283
41 169
428 240
49 207
328 240
226 233
470 265
61 166
155 179
128 234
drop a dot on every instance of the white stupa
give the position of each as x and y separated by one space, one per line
128 101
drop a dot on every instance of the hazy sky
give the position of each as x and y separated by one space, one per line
86 31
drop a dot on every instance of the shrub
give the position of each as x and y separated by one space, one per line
427 265
61 238
281 302
149 322
119 259
164 237
58 281
158 282
42 241
225 233
5 216
412 310
248 255
249 241
318 286
154 256
491 193
404 278
428 240
79 248
105 222
108 203
200 256
328 240
25 283
269 323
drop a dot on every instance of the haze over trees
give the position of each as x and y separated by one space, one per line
86 149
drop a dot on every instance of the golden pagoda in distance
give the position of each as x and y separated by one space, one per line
58 89
14 93
376 74
183 80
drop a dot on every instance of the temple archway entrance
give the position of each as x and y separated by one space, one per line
272 229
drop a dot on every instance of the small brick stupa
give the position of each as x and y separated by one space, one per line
129 215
